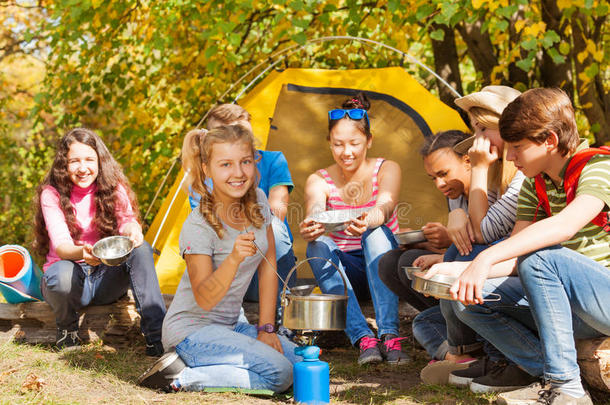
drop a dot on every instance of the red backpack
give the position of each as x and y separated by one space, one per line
570 182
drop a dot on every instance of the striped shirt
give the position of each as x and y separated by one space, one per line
591 241
500 218
344 241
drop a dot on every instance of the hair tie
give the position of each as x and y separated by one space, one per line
357 102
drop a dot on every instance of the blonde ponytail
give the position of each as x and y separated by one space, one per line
196 151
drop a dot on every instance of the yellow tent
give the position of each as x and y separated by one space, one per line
289 113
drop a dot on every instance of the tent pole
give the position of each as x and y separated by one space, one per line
168 210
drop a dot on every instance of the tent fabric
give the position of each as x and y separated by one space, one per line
289 113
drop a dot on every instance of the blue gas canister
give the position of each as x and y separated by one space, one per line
311 377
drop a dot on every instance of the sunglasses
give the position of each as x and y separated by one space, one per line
353 113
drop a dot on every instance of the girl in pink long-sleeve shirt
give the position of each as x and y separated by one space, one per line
86 197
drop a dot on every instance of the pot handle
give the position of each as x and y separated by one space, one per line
304 261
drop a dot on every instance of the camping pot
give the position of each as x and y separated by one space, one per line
315 311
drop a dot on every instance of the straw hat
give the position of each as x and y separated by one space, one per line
492 98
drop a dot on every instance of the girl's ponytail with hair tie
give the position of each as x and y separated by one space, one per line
357 102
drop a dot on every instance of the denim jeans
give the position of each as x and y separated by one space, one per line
430 331
568 296
218 356
68 286
285 261
360 269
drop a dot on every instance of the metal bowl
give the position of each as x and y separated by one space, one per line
337 220
410 237
113 250
410 270
437 286
302 290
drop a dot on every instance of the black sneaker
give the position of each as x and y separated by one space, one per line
391 350
161 375
502 377
369 351
67 340
154 349
479 368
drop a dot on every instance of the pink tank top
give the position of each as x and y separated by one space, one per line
344 241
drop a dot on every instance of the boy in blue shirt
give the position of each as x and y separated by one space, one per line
276 183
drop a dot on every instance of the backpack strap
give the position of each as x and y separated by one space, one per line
570 184
543 198
573 171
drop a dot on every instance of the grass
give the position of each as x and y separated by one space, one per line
99 374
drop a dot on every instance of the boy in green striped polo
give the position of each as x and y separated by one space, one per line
561 259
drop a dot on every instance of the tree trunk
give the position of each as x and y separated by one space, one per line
592 98
480 48
446 64
552 74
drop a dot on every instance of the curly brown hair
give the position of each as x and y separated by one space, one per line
110 175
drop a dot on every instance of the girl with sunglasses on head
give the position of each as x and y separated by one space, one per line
84 198
355 181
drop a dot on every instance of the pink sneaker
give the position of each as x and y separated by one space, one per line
369 351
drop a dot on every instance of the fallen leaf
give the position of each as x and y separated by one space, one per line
32 383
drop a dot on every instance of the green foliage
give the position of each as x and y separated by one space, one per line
142 73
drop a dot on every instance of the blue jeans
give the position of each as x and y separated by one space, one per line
568 296
68 286
514 326
360 269
430 331
218 356
285 261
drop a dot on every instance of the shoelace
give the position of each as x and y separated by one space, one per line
497 368
547 397
393 344
368 342
73 335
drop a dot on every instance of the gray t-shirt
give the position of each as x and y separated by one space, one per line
184 315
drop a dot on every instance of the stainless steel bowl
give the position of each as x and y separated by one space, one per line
410 237
337 220
302 290
113 250
437 286
410 270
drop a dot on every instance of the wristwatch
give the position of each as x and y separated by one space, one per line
269 328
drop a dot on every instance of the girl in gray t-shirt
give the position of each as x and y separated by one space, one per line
219 243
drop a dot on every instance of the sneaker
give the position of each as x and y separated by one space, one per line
525 396
67 340
162 374
502 377
555 397
391 350
369 351
154 349
462 378
437 372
